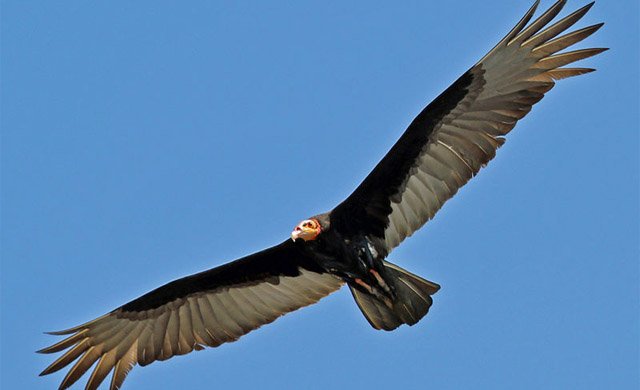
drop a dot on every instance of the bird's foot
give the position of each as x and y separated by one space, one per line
381 282
364 285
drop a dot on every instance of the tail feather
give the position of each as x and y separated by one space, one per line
413 300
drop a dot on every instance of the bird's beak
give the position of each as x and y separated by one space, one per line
299 232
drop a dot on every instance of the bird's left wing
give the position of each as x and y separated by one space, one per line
459 132
205 309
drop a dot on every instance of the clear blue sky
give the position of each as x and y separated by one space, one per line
144 142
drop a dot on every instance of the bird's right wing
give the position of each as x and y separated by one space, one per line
206 309
459 132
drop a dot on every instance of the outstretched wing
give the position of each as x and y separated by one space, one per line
460 131
206 309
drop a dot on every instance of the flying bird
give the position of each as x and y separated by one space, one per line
444 146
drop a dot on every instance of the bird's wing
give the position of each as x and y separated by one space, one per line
205 309
460 131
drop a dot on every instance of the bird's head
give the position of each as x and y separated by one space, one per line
308 230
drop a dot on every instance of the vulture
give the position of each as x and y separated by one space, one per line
444 146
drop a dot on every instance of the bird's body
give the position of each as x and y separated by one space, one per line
446 145
359 260
347 256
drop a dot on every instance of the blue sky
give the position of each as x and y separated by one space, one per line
142 142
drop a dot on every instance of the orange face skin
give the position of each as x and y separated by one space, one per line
308 230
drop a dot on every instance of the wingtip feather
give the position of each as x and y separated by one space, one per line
535 26
522 23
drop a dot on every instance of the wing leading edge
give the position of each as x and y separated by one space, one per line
206 309
460 131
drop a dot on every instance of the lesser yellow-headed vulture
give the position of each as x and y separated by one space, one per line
445 146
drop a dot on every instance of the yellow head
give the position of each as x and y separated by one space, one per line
308 230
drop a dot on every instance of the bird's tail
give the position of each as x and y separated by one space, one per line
412 302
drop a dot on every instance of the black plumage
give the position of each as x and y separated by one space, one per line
445 145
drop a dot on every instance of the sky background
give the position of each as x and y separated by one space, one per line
145 141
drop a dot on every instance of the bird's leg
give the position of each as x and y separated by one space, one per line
364 285
374 291
380 281
373 266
